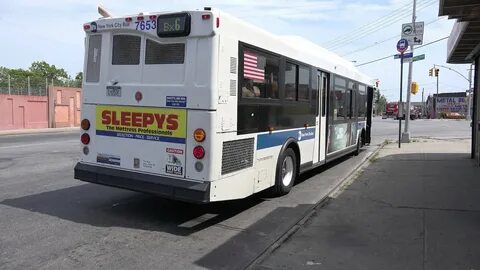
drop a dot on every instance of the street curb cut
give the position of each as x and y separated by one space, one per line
311 210
14 132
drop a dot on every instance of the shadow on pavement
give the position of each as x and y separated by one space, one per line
241 250
106 207
405 211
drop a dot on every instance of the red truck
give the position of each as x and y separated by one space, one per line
391 111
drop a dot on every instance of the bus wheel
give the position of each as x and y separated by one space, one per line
286 172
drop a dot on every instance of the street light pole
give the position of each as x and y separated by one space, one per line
406 133
470 92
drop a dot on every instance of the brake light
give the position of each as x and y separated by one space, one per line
85 124
199 135
86 27
85 138
198 152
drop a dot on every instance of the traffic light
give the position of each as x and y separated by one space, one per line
436 72
430 72
414 88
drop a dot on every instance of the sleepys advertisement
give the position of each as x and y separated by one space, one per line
153 124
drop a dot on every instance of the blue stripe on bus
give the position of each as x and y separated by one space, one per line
268 140
140 136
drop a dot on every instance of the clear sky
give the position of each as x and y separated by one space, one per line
361 31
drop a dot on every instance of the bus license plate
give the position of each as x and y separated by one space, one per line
114 91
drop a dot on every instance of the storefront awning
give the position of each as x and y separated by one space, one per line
464 41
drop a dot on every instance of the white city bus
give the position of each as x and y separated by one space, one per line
200 106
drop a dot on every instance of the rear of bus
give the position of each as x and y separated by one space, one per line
148 106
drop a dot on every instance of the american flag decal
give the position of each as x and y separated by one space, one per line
250 67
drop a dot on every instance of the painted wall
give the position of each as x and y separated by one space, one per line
65 106
60 109
17 112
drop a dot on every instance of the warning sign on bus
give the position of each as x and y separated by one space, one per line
153 124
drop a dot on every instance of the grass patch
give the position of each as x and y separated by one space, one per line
374 157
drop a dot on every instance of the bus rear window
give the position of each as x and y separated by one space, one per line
126 50
157 53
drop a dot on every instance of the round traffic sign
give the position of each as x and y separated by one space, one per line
407 29
402 45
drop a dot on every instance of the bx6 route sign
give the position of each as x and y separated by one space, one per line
402 45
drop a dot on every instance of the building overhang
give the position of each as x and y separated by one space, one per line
464 41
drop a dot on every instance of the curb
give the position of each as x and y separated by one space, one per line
37 131
311 210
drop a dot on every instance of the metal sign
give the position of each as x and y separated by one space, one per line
414 35
405 56
402 45
418 57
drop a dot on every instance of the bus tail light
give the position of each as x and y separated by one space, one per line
140 18
85 138
218 22
199 135
205 16
85 124
198 152
128 19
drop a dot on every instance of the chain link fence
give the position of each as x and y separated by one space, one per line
32 86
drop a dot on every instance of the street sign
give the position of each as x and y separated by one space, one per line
402 45
413 35
418 57
405 56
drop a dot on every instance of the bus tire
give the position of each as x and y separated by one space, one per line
286 172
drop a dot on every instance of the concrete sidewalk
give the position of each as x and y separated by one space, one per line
37 130
417 207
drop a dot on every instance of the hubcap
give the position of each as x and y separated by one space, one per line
287 170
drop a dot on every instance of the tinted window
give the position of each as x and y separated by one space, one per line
362 101
94 57
303 83
260 75
126 50
157 53
338 100
340 82
290 81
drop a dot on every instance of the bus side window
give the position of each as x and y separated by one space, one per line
290 81
260 75
324 94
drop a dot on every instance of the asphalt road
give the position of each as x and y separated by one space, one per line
436 128
49 220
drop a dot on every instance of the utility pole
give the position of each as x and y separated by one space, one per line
406 133
423 105
470 92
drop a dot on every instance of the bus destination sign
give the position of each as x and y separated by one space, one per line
173 25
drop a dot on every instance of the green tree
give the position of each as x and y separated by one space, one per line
45 70
380 102
79 79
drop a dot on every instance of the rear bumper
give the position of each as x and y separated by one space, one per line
183 190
